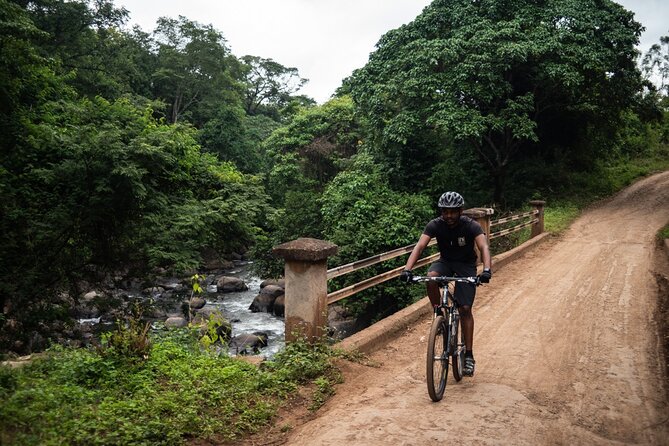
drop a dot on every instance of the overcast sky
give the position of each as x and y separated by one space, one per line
325 39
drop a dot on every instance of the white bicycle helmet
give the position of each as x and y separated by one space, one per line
451 200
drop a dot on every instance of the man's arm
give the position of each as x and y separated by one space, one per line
482 244
417 251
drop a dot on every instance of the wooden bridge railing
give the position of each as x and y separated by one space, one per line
306 273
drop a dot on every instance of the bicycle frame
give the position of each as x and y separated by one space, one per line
448 306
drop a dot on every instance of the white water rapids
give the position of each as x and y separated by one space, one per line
235 308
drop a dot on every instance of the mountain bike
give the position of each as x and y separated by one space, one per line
443 343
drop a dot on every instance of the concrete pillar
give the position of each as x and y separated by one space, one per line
538 227
306 287
482 216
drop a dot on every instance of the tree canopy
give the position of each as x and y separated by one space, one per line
269 85
497 76
195 71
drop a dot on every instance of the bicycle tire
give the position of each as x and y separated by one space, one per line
437 360
458 357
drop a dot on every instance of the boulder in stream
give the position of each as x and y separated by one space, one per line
264 302
279 308
230 284
197 302
278 282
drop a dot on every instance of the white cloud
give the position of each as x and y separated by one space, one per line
653 15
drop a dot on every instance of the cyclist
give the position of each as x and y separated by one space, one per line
456 237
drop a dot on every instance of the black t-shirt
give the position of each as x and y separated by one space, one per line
455 244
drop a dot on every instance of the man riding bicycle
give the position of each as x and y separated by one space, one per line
456 237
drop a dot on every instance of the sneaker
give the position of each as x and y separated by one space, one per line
470 365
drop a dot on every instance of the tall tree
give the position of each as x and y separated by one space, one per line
495 76
304 156
269 85
655 64
196 71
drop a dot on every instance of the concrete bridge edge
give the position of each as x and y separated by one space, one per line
376 336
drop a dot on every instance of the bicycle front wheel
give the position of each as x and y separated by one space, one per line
437 359
458 351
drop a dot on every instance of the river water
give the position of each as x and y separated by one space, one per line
235 308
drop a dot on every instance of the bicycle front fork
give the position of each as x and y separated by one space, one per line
453 323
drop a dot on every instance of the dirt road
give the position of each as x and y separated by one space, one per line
567 345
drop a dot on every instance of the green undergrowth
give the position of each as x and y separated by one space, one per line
604 181
177 392
582 191
663 233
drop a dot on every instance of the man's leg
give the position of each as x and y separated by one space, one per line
433 290
467 324
437 268
465 294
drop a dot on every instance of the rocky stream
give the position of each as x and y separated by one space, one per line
256 325
253 308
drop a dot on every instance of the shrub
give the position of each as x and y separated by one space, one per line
129 342
178 392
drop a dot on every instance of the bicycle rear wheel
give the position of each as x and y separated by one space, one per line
437 359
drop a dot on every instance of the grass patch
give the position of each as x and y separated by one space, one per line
324 390
663 233
559 216
178 392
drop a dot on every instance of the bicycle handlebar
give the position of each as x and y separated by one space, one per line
444 279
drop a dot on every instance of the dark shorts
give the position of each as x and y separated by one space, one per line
464 292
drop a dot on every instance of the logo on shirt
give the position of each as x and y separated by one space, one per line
461 241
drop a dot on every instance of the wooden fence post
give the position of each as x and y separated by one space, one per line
306 286
482 216
538 227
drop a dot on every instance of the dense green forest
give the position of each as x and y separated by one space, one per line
125 150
